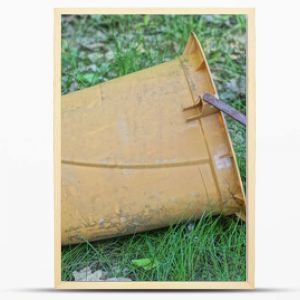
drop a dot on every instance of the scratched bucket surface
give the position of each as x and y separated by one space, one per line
131 161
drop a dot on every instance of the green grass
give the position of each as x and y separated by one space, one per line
210 249
99 48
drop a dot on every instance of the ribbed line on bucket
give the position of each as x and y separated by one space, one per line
163 164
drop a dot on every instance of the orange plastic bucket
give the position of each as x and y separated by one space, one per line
132 162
